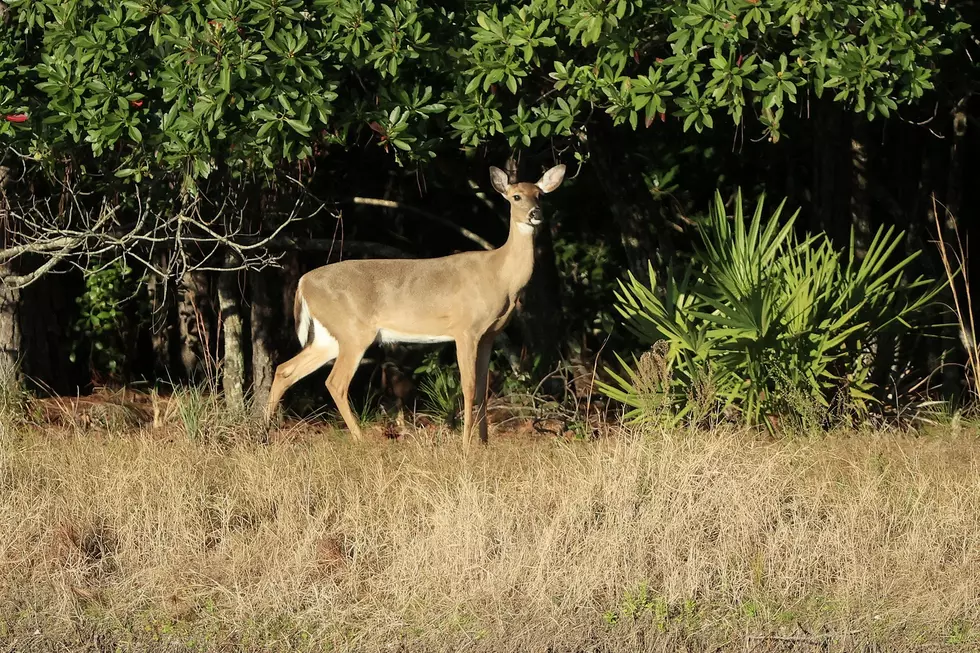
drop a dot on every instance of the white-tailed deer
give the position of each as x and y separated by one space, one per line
342 308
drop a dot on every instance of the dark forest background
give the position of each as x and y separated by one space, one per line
169 171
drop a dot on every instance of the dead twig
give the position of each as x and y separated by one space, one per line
390 204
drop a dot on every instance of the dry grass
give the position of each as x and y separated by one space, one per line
684 541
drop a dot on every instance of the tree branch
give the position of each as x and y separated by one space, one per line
463 231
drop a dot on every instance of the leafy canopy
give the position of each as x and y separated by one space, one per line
186 87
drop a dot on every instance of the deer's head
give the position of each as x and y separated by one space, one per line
524 197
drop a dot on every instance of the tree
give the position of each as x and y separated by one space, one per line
156 122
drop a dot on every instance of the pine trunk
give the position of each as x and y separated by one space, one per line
953 377
263 320
539 313
831 194
10 336
233 362
161 322
10 340
194 313
860 191
629 200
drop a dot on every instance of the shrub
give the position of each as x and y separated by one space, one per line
440 389
109 313
774 325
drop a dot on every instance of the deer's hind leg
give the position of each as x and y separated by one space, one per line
295 369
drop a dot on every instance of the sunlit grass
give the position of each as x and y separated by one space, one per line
644 541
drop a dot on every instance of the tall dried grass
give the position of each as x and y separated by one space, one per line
656 541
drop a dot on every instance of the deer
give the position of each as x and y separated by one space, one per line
343 308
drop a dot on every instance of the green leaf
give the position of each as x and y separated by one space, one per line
473 85
264 129
299 126
225 77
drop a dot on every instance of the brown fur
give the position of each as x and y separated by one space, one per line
467 297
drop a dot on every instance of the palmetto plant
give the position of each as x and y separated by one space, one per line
764 319
440 389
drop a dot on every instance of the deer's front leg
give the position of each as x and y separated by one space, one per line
480 390
466 355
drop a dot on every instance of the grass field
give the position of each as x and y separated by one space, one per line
149 540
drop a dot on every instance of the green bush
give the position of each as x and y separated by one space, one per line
440 388
765 324
110 312
191 87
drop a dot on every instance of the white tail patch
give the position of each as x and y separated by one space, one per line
303 324
322 339
390 335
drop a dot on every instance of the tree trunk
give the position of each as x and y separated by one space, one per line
860 192
263 320
194 313
539 313
953 377
47 313
10 336
161 321
233 362
629 200
831 194
289 276
954 185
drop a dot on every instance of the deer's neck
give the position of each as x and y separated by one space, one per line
517 256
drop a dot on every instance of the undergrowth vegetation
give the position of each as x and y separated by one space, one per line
773 329
654 540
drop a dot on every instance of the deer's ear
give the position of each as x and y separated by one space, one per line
552 179
499 180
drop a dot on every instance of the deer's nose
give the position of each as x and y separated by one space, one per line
534 216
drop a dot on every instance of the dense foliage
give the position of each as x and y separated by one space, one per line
110 312
170 113
769 324
199 85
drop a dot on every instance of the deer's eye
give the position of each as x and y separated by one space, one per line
517 198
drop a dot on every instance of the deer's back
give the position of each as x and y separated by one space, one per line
437 297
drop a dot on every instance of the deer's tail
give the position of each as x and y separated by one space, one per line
302 317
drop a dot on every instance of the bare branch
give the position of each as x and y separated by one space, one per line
22 281
463 231
347 246
75 229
